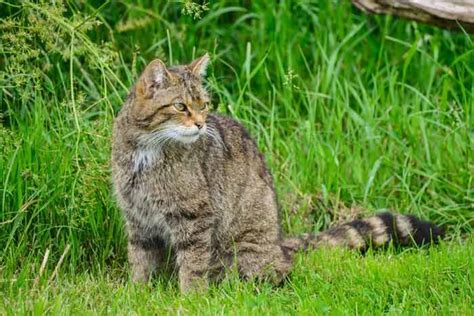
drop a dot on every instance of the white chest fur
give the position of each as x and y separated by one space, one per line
143 158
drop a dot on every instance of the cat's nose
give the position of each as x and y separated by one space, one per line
199 124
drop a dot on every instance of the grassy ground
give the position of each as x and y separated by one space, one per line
435 281
353 114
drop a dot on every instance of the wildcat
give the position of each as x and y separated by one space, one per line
196 182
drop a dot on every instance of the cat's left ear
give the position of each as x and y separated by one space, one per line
199 66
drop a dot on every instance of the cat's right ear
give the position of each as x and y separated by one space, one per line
154 75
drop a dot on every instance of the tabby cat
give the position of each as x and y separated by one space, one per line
196 182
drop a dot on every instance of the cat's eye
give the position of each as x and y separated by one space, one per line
204 106
180 107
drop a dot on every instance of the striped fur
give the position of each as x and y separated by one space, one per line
376 231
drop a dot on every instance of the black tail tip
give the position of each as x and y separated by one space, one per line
426 232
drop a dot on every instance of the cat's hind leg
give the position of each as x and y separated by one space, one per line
263 262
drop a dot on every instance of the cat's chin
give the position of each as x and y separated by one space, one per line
187 139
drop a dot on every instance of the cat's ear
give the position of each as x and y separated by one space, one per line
154 75
199 66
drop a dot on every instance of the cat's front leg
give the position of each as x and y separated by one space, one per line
142 262
193 249
145 254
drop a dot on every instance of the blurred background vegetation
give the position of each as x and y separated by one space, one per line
353 113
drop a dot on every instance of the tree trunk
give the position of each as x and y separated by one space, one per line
452 14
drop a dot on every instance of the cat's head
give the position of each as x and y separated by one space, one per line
171 104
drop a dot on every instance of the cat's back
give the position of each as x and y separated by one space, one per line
237 140
238 149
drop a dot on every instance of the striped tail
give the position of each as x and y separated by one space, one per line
375 231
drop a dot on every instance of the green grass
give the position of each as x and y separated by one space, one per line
435 281
352 112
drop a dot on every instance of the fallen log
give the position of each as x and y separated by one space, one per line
451 14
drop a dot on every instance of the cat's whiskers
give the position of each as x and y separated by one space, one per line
150 147
160 139
151 144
